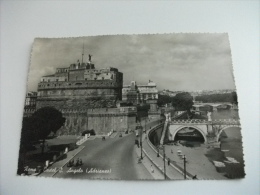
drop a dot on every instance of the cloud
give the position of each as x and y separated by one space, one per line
191 61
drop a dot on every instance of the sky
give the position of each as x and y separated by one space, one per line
178 62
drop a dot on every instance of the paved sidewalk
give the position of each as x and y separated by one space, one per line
149 165
152 159
57 166
171 172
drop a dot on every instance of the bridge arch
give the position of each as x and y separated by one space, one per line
190 126
228 126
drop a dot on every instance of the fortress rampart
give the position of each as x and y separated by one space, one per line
102 120
87 99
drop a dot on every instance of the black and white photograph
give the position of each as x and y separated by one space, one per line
132 107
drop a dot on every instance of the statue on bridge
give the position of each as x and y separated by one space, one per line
209 116
89 57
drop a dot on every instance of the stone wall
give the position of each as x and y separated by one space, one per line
102 120
75 124
104 124
75 103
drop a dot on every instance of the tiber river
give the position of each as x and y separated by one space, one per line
231 142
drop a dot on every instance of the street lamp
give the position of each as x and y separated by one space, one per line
163 148
141 140
145 125
184 162
164 162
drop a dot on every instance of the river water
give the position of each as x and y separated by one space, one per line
225 114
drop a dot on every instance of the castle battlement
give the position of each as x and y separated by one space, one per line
112 110
96 84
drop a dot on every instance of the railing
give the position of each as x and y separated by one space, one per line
213 122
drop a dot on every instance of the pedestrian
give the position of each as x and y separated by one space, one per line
169 161
152 169
171 151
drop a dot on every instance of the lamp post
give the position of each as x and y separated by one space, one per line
145 125
164 162
164 156
184 161
141 141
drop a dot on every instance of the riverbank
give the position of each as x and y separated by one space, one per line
197 162
232 148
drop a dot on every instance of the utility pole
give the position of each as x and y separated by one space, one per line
158 154
141 141
145 125
184 161
164 162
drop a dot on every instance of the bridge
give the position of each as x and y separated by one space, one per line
209 129
214 106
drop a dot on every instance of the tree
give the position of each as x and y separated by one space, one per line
26 142
46 120
182 101
226 97
163 99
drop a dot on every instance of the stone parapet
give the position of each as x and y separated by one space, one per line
213 122
99 84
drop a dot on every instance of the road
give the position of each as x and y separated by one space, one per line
114 156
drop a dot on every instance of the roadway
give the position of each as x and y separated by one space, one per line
115 156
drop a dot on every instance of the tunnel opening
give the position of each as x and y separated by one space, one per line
189 137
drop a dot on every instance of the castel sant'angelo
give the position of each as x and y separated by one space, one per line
88 98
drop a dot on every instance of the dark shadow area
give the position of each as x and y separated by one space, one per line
189 136
155 136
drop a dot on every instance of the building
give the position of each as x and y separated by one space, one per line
30 103
139 94
80 86
87 98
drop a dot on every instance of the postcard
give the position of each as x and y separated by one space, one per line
132 107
